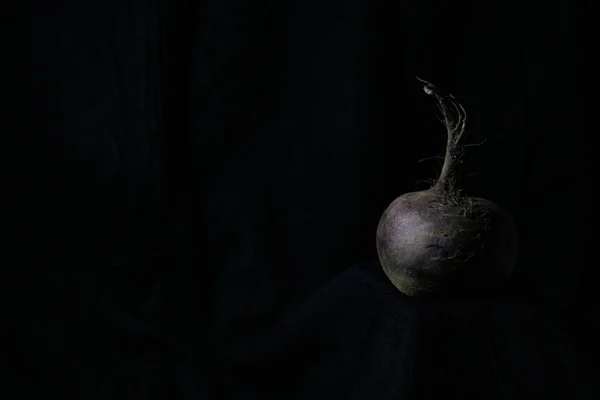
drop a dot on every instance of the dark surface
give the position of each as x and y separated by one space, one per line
193 180
355 337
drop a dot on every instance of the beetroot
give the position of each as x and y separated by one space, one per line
440 240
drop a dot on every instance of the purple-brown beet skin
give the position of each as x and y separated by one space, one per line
427 244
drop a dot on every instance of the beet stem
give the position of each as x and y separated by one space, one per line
449 179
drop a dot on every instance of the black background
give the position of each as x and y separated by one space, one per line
191 203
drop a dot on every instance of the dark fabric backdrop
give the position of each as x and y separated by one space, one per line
191 204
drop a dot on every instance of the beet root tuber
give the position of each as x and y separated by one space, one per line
440 240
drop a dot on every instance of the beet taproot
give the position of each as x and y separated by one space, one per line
440 240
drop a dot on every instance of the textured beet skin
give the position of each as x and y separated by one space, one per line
429 242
